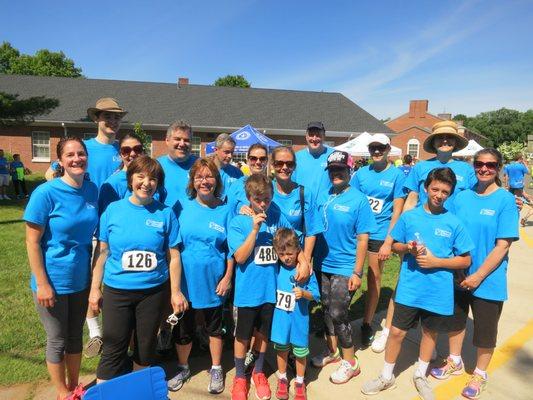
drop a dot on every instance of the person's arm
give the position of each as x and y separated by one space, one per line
247 247
411 201
100 256
303 267
356 278
225 283
177 298
302 293
386 248
426 259
45 293
309 246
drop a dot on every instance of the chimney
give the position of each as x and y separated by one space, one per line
183 82
445 116
418 108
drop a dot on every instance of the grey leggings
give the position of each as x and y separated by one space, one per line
336 298
63 324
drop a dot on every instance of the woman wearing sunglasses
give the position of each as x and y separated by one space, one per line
493 225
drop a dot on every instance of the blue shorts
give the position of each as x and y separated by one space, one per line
290 328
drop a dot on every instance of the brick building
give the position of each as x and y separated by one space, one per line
413 127
280 114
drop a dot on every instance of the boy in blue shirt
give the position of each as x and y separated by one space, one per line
290 326
17 176
4 176
433 243
513 175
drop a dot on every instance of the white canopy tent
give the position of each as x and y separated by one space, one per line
472 148
358 146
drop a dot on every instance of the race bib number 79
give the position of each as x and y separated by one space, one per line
139 260
264 255
285 300
375 204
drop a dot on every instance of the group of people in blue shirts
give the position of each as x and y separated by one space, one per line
178 236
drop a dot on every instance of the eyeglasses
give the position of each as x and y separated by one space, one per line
255 159
492 165
203 178
280 164
126 150
377 147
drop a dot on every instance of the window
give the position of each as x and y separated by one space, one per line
196 144
413 148
87 136
285 142
40 144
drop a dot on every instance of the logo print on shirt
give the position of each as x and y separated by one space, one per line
486 211
442 232
386 183
116 158
217 227
295 213
336 157
154 224
338 207
459 178
90 206
271 229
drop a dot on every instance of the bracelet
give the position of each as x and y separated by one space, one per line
359 274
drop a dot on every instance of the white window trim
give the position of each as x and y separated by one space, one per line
414 141
40 159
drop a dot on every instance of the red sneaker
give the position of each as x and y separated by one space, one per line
299 391
262 388
282 392
240 389
77 393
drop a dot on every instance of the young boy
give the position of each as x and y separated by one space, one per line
433 243
290 326
17 176
250 244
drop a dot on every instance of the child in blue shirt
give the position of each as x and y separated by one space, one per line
433 243
290 326
17 176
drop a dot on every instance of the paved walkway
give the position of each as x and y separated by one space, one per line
510 373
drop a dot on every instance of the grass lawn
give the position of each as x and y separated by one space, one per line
22 337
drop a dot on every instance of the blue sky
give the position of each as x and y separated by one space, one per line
464 56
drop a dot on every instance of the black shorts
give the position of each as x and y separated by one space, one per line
250 318
516 191
406 317
374 245
184 332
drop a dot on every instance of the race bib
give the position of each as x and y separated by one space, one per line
285 300
375 204
139 260
264 255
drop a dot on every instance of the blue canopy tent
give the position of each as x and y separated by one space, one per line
245 137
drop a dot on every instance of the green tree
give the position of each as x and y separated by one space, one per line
14 111
233 80
145 138
510 150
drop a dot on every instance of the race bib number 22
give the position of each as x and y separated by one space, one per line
139 260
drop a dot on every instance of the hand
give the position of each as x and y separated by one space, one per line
411 248
95 299
246 210
471 282
179 303
354 283
223 286
258 219
46 296
298 292
459 276
426 259
384 252
303 271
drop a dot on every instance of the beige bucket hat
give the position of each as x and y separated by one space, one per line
448 128
105 104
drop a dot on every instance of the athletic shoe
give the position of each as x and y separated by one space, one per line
325 358
249 361
262 388
448 369
282 391
77 393
239 391
379 343
377 385
93 347
422 386
367 335
345 372
474 388
216 382
299 391
176 383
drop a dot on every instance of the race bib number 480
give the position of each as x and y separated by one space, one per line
139 260
375 204
264 255
285 300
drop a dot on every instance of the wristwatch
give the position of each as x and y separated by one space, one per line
359 274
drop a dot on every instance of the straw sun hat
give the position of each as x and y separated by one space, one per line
448 128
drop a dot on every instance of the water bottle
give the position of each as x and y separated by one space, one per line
419 242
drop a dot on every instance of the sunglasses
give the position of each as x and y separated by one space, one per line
126 150
280 164
492 165
255 159
377 147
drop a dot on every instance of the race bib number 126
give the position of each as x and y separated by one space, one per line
139 260
265 255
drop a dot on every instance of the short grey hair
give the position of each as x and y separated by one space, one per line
224 138
179 125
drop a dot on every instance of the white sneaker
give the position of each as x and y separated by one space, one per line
379 343
345 372
325 358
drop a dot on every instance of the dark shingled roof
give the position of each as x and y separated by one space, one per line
200 105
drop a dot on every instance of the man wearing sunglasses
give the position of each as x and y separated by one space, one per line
312 160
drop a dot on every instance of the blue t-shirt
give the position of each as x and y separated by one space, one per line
291 208
344 216
464 172
69 217
176 178
116 188
17 170
4 166
516 172
310 171
292 327
489 218
236 195
255 280
138 238
381 189
204 248
103 160
229 174
405 169
445 236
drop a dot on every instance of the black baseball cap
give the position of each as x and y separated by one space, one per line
316 125
339 159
